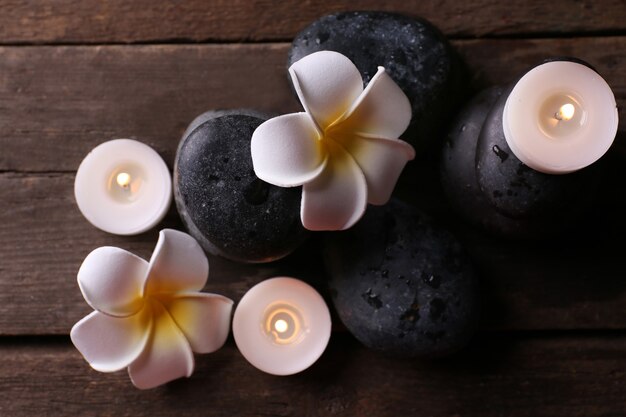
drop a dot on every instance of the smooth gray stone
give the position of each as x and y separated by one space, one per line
223 204
414 53
518 191
402 285
489 186
458 171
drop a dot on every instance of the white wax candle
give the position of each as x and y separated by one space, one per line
282 326
560 117
123 187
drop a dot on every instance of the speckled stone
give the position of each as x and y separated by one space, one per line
230 211
458 171
518 191
488 185
402 285
414 53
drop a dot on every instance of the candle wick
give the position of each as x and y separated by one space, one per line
123 180
566 112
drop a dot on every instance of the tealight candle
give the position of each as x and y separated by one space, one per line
282 326
561 116
123 187
509 142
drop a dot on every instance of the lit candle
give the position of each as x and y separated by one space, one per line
561 116
282 326
123 187
506 145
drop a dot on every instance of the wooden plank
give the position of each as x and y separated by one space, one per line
497 376
62 101
575 282
93 21
44 239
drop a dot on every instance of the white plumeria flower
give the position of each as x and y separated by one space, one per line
343 149
150 316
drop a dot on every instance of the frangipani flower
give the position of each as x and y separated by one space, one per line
150 317
343 149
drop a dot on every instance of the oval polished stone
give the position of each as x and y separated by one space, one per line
223 204
489 186
402 285
414 53
458 171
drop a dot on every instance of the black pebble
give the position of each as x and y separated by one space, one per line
414 53
230 211
516 190
402 285
488 185
458 171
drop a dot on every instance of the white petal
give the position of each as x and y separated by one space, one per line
335 200
112 279
166 357
286 150
381 160
178 263
203 318
382 110
111 343
327 84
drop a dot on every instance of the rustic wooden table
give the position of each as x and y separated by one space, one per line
74 73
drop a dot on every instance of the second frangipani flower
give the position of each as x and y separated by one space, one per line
343 149
150 316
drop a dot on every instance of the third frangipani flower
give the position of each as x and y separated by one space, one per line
344 149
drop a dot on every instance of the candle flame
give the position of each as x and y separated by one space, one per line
123 179
566 112
283 323
281 326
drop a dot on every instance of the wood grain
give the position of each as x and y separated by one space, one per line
56 103
574 282
557 306
94 21
498 376
63 101
44 239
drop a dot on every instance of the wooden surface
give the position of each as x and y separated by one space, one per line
504 375
76 73
119 21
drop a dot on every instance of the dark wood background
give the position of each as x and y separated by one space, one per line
74 73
